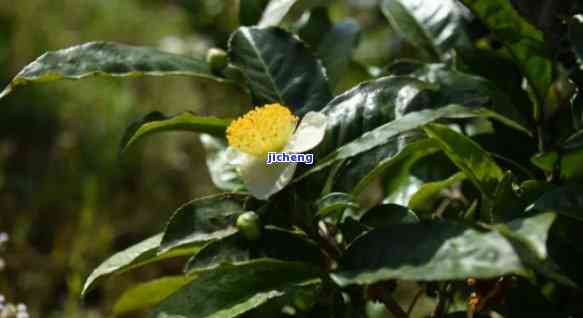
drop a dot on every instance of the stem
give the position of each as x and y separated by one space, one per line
414 301
393 307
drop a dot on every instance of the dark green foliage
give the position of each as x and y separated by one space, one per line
457 167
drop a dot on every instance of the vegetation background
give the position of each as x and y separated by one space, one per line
60 173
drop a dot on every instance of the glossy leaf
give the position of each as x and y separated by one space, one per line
134 256
397 156
380 135
277 10
425 198
279 68
232 290
149 294
108 59
472 160
298 246
524 42
566 200
336 48
202 220
370 105
223 173
230 249
156 122
335 202
434 27
438 250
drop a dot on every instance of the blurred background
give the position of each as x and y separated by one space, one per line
67 199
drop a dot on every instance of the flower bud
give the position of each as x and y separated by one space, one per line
249 225
217 59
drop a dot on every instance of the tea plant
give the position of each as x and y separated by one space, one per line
456 165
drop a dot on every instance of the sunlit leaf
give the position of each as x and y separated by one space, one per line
157 122
232 290
108 59
134 256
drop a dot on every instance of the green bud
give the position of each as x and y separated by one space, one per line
217 59
249 225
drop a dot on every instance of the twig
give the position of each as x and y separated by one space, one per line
414 301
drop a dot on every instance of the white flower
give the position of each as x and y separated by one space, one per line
271 128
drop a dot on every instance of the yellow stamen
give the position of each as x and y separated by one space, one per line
262 130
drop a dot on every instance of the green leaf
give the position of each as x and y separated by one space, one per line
279 68
434 27
223 174
397 156
425 198
202 220
156 122
387 214
380 135
298 246
524 43
566 200
335 202
108 59
230 249
140 254
336 48
460 88
232 290
438 250
277 10
472 160
507 205
149 294
370 105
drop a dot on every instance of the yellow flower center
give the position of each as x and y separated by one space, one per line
262 130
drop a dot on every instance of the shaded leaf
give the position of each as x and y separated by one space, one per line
202 220
279 68
434 27
282 244
566 200
438 250
387 214
456 87
425 198
397 156
149 294
232 290
230 249
576 35
335 202
472 160
134 256
523 41
156 122
108 59
223 173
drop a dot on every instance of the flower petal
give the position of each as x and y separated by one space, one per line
263 180
309 133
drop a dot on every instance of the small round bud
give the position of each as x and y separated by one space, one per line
249 225
217 59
